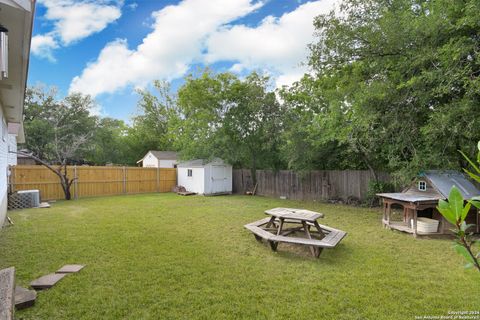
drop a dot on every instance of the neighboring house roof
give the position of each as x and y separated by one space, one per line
164 155
161 155
443 181
199 163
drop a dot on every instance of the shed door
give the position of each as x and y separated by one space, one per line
219 179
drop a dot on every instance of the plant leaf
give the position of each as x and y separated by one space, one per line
455 199
466 210
470 161
464 252
444 208
472 175
475 202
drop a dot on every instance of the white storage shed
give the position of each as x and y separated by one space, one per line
202 177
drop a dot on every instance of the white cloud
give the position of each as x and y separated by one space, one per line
132 6
43 45
203 31
76 20
276 44
177 40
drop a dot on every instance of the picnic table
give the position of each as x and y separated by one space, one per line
286 221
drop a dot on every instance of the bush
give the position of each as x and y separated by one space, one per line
375 187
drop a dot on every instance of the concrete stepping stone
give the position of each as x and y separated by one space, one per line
47 281
24 298
70 268
7 285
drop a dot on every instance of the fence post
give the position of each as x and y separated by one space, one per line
124 180
75 176
158 179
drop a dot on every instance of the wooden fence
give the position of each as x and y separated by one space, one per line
314 185
93 181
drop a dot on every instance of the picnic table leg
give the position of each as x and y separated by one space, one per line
272 221
322 235
273 245
313 250
280 227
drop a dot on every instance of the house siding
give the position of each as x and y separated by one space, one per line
4 141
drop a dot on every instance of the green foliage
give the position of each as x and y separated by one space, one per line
108 143
394 86
151 130
58 130
456 212
375 187
224 116
65 131
391 81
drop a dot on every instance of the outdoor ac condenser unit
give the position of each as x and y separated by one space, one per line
31 198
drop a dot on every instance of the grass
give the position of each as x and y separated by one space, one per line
162 256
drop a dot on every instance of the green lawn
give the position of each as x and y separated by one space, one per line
162 256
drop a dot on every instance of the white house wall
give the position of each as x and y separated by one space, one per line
168 163
195 183
12 147
150 161
3 167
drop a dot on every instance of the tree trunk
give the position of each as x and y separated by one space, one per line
66 188
64 181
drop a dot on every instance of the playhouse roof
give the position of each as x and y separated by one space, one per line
442 182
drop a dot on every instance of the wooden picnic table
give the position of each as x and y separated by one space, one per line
305 218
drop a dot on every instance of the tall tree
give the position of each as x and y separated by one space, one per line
109 143
224 116
395 76
57 132
150 129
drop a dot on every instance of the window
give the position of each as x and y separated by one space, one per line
422 186
189 172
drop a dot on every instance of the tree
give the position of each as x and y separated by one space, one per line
57 132
108 143
150 129
223 116
393 78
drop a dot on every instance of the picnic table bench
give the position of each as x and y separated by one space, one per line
272 229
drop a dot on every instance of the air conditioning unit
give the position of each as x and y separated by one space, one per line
29 198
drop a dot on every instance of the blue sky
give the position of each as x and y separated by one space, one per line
108 48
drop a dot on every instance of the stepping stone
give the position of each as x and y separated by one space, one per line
7 284
47 281
44 205
70 268
24 298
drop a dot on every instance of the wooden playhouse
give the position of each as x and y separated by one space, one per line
419 202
